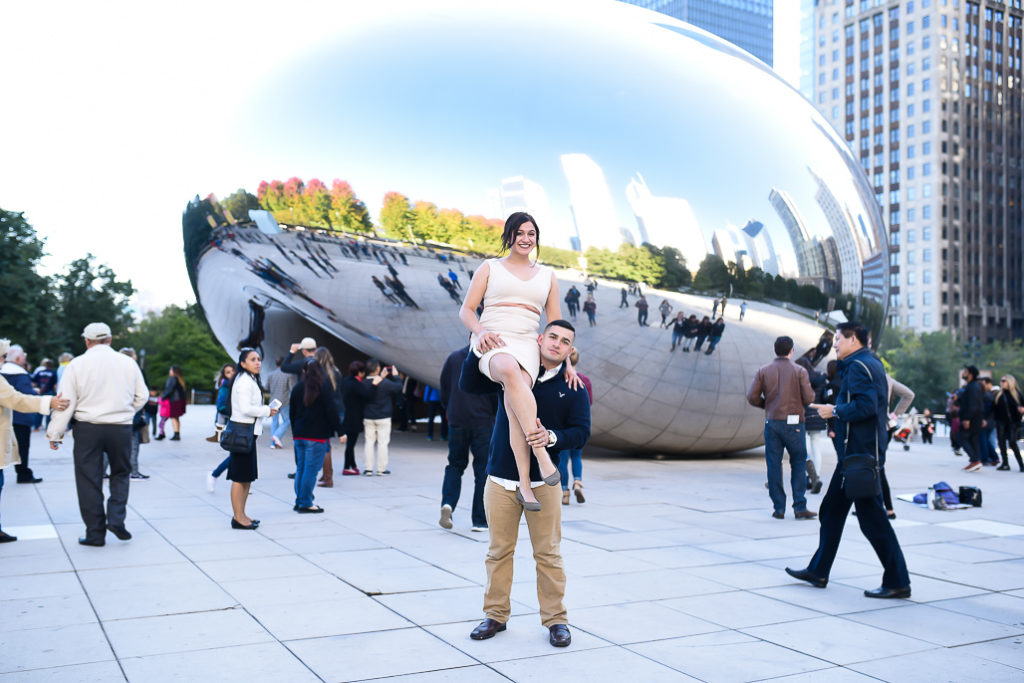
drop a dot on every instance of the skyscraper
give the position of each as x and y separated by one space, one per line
666 221
746 23
593 209
928 94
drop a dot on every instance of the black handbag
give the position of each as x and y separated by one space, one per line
238 437
861 476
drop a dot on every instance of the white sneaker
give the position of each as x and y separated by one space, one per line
446 516
479 528
211 481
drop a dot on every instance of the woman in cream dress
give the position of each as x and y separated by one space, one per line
515 291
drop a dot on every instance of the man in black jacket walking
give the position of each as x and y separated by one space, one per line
563 423
861 413
470 424
972 411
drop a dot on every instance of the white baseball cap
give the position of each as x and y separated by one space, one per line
308 343
96 331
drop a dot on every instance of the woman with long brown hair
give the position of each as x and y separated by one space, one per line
172 403
332 381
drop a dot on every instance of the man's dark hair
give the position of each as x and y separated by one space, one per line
972 371
986 379
372 366
783 345
560 323
852 329
513 223
355 367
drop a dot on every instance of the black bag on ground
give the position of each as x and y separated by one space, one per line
970 495
860 476
238 437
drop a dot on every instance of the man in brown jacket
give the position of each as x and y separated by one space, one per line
783 389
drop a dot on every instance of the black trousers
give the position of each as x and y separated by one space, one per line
832 513
23 435
91 442
350 450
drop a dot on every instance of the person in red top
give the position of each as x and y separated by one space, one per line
575 455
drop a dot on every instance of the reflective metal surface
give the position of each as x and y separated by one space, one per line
609 123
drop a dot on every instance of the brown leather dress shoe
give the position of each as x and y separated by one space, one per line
805 514
486 629
559 635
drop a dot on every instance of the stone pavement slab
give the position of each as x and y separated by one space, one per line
674 572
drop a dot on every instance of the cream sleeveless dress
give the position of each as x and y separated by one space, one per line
517 326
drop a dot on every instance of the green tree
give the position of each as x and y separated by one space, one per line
238 203
712 275
676 273
178 336
91 293
348 212
927 363
26 314
396 216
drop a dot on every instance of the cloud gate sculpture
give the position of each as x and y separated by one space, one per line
611 125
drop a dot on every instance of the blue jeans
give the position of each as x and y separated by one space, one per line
576 456
219 470
279 423
988 444
714 343
462 440
677 339
309 458
778 436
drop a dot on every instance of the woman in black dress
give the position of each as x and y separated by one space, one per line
353 422
246 408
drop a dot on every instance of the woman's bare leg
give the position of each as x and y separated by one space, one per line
521 407
239 494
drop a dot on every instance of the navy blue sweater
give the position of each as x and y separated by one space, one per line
560 409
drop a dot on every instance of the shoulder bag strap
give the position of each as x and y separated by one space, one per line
849 398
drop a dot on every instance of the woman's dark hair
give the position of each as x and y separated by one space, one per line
326 361
355 367
512 224
220 375
313 378
242 355
176 371
832 368
805 363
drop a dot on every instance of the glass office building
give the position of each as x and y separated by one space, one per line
928 95
746 23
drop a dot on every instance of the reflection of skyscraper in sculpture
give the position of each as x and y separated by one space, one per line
666 221
810 257
732 245
592 207
847 244
522 194
764 250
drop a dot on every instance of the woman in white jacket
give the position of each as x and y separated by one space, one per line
246 408
11 400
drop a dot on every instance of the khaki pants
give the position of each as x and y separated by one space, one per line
377 432
503 515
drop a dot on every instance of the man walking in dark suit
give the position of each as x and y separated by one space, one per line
563 423
860 413
470 424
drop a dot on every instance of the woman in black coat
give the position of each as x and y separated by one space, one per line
1006 409
816 427
315 420
353 422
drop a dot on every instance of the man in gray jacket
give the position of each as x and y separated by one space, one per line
379 389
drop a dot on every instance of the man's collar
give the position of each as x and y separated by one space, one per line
549 374
11 368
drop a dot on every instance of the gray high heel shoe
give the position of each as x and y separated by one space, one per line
553 479
529 507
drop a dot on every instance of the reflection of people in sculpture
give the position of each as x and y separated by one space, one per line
515 290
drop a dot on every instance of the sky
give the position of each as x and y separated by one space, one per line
111 111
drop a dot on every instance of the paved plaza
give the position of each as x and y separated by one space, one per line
675 572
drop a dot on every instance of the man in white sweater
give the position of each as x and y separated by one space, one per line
105 390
